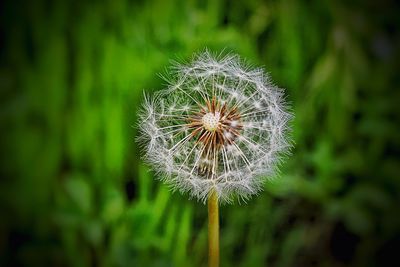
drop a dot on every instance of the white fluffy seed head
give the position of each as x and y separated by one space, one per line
219 125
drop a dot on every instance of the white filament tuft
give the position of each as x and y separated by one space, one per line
252 145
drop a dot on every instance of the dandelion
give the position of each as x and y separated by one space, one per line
217 130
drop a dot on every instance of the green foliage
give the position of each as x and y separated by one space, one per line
74 192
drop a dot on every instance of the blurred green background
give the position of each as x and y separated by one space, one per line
73 191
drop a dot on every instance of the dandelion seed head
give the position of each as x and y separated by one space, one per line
219 125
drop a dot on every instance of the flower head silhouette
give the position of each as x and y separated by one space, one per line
219 125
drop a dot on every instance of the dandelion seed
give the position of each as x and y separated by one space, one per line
218 126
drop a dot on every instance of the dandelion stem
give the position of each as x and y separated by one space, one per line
213 230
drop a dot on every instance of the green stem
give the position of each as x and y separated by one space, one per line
213 230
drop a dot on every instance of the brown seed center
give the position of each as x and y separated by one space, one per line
214 126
